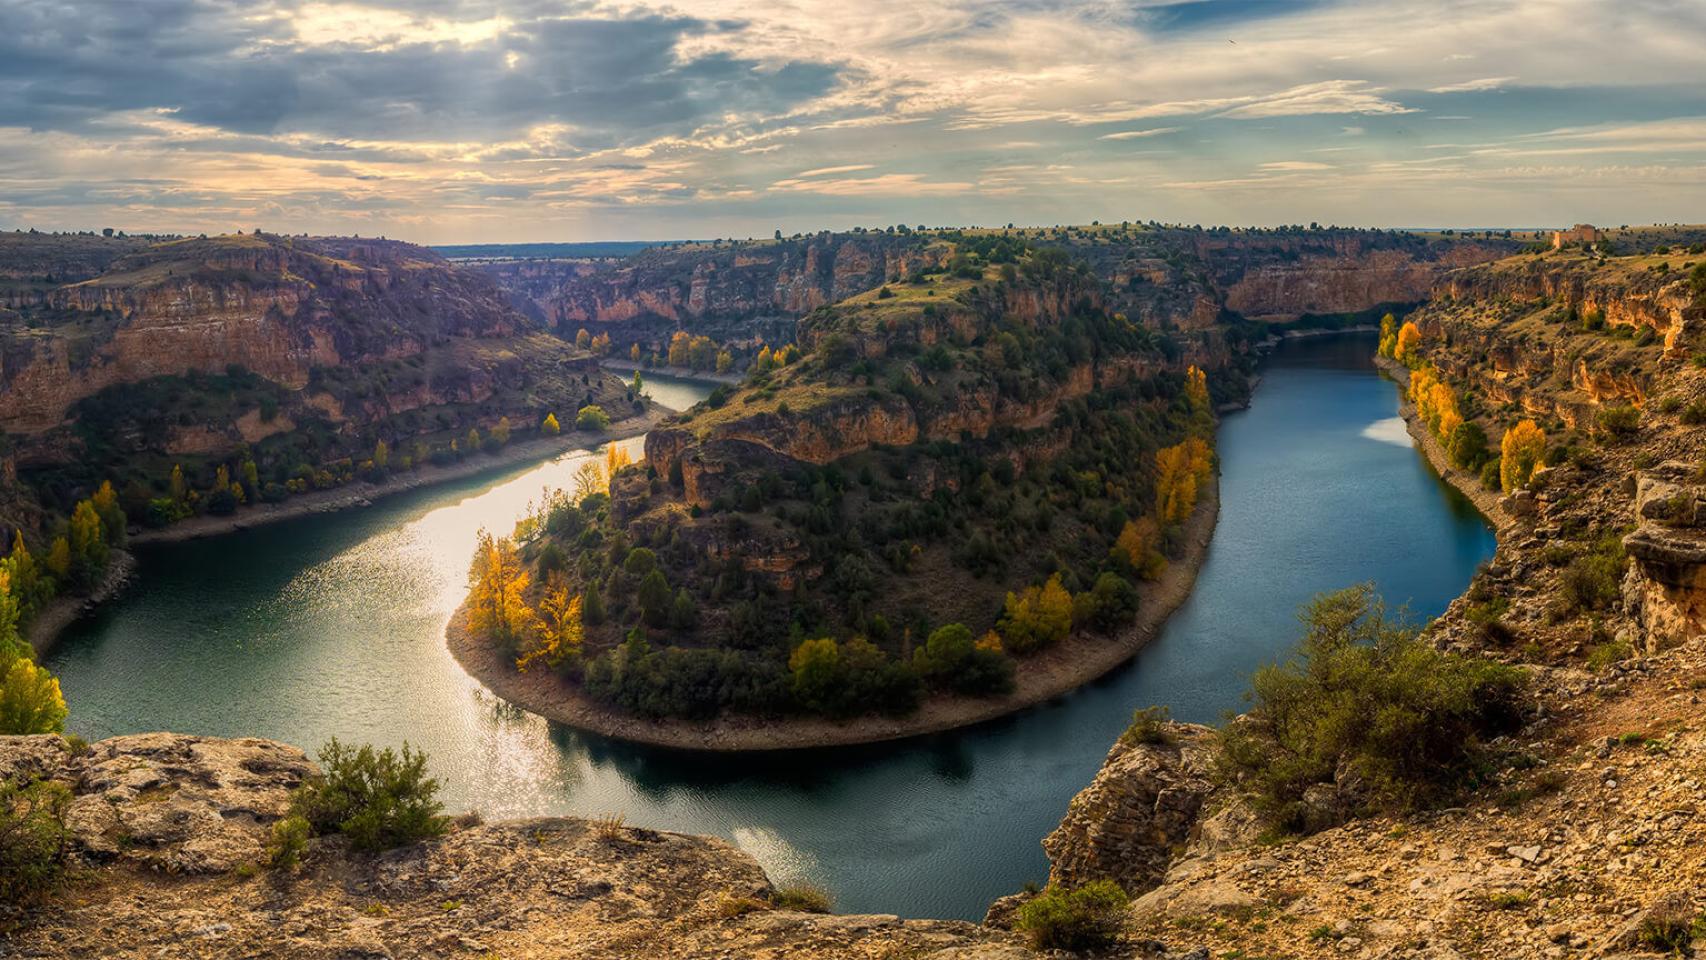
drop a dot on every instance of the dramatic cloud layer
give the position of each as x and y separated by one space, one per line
444 120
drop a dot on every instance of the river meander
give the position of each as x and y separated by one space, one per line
334 625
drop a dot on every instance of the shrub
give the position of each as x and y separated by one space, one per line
1467 446
379 799
1490 475
1590 582
1619 421
1694 414
1148 725
1370 708
1086 918
592 417
289 840
805 897
33 838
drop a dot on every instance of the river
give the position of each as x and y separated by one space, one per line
334 626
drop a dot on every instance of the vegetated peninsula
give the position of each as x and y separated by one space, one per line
957 492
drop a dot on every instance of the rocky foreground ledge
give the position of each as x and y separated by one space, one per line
169 830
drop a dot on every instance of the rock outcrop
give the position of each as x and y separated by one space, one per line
169 832
1142 808
1666 584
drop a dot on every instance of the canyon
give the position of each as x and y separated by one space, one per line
1585 841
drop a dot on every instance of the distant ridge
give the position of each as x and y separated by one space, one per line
546 251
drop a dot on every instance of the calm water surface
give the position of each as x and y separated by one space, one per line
334 626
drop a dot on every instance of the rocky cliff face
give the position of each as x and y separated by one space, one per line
168 831
278 306
1666 584
1163 278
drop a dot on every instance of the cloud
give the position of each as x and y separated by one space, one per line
1326 97
886 185
1298 165
1137 134
848 168
1472 86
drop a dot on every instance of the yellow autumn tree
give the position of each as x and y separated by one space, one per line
766 360
589 480
615 458
601 344
1409 338
381 455
1388 335
680 349
179 487
497 605
559 631
1036 618
634 353
88 542
550 427
1181 470
1196 388
1139 545
1521 450
30 700
725 361
58 560
1436 402
583 339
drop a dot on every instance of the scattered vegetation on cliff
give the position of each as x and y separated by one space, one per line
1080 919
1367 716
34 840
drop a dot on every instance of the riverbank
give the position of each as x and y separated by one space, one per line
1487 502
1061 669
63 611
680 373
363 494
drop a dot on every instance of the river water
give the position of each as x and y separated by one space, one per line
334 626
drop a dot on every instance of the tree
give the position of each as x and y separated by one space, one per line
472 442
1196 389
30 701
1139 547
25 581
497 608
88 544
1467 446
680 349
1180 471
638 386
1409 338
765 361
1520 451
59 559
1388 335
180 489
105 501
1036 618
583 339
592 417
818 675
634 352
615 458
560 631
656 599
725 361
589 481
500 433
550 427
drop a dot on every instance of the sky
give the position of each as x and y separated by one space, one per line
445 121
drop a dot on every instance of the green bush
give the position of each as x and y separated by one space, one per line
1490 474
1591 582
289 840
1619 421
592 417
1148 725
1467 446
1085 918
379 799
1370 708
33 838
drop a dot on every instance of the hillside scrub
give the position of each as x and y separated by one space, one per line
1370 713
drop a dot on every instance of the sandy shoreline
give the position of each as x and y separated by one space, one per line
363 494
1061 669
1469 484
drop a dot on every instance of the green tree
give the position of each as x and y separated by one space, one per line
592 417
88 544
818 675
656 600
